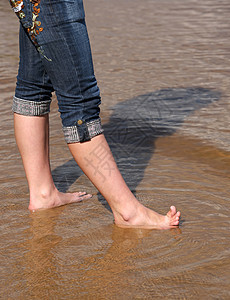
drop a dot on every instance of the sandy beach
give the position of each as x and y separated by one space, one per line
163 69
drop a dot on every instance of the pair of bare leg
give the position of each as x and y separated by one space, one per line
32 137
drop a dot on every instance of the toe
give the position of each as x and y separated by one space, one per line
86 196
172 212
81 193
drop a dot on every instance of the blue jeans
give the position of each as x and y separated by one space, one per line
55 55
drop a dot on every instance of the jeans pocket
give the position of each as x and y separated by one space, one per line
23 9
68 10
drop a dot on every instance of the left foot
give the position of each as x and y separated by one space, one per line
149 219
56 199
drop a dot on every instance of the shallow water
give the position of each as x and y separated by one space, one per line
163 70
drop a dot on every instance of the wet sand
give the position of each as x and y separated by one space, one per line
163 69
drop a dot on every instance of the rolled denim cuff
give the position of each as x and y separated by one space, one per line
30 108
82 131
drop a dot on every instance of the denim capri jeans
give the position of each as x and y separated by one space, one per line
55 55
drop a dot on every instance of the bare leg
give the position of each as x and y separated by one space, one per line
32 137
96 161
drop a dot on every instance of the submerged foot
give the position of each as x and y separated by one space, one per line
149 219
55 199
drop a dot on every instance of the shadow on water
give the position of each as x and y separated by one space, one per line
133 128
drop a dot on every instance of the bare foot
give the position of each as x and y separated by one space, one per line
56 199
149 219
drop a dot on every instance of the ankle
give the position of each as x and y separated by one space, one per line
128 214
42 197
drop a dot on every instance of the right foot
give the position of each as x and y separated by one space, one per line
56 199
149 219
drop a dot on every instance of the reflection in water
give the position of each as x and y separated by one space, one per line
171 144
40 261
114 272
97 271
